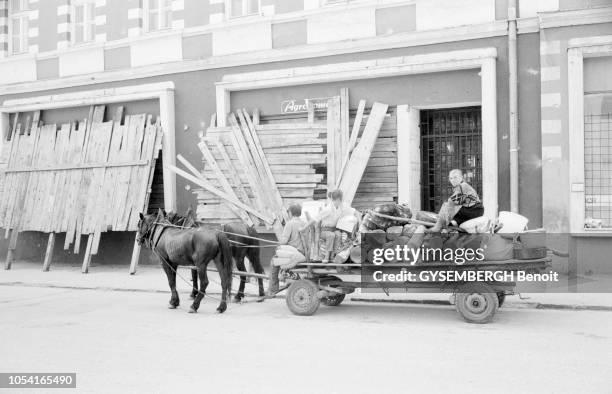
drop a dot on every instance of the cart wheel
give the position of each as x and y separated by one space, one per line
334 300
476 302
302 298
501 297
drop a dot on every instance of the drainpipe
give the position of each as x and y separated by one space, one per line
513 103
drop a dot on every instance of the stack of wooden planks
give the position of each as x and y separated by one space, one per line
85 178
379 181
267 166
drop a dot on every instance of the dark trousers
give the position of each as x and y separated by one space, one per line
467 213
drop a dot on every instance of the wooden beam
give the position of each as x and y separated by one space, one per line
333 129
361 154
209 187
49 252
80 167
268 177
87 258
353 139
210 160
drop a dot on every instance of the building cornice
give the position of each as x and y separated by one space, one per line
576 17
396 41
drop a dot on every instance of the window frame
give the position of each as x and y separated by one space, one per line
146 9
73 22
23 15
578 49
244 14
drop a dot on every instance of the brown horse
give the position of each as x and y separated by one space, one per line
175 246
243 244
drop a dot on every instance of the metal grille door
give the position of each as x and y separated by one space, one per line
598 170
450 138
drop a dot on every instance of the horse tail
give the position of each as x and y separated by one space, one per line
226 261
253 253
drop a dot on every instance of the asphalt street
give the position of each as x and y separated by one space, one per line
129 342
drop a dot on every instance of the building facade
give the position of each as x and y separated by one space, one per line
443 66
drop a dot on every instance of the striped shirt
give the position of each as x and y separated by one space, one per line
466 196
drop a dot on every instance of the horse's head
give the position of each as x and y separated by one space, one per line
145 225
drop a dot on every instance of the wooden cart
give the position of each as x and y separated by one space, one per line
313 283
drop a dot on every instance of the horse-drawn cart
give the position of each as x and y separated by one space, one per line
313 283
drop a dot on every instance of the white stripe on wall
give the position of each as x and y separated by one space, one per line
550 100
63 9
551 152
135 13
552 126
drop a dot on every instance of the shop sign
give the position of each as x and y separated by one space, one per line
297 106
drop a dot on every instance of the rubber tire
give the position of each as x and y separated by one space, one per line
302 298
334 300
501 297
476 303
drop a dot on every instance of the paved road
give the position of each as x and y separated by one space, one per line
129 342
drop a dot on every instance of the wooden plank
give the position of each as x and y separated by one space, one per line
356 125
10 255
135 256
49 252
344 126
266 166
153 153
87 257
361 154
333 130
291 168
295 149
295 178
297 158
297 127
232 173
268 142
87 166
225 185
206 185
247 163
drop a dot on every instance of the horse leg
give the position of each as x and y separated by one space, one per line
194 280
171 274
224 286
240 265
256 263
201 271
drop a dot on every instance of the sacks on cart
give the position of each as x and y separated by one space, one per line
286 257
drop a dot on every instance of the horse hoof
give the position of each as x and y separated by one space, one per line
237 300
261 298
170 306
192 310
221 309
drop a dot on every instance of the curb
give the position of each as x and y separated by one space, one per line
525 305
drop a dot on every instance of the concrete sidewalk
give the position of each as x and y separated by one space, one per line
150 278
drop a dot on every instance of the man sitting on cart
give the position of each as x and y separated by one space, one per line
291 249
462 206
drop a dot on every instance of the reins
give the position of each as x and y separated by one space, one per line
275 243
